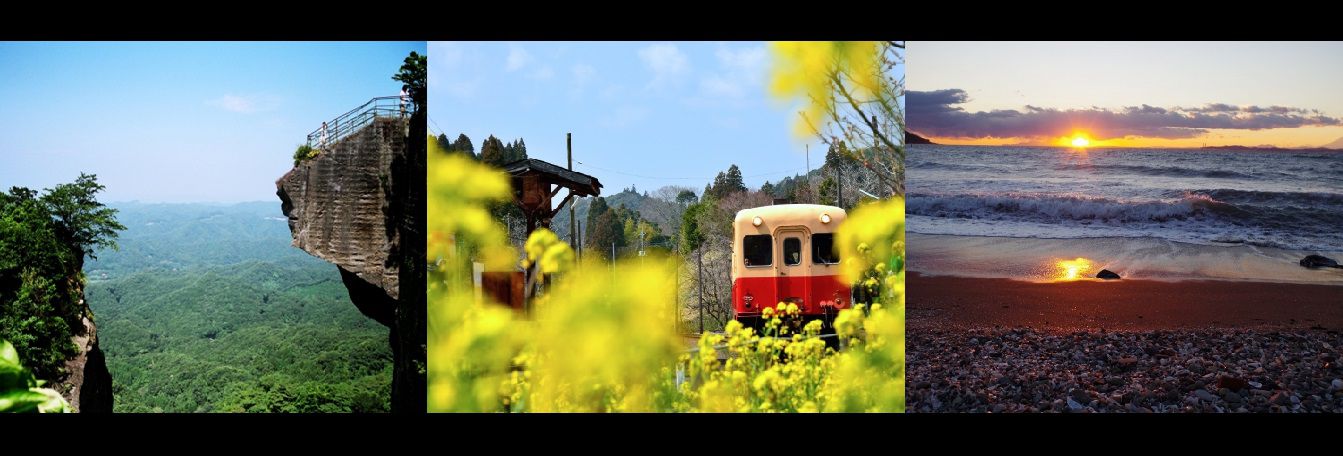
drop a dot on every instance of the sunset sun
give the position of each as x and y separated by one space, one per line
1080 141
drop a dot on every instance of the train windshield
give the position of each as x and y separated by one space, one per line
823 249
792 251
757 250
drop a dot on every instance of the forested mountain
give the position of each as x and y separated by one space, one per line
209 308
44 240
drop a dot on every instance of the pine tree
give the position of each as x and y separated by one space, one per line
734 181
463 144
829 192
492 151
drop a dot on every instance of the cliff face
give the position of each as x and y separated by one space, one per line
358 206
87 384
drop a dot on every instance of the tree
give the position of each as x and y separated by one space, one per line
43 242
519 150
444 144
607 230
413 74
595 209
851 95
828 193
463 144
734 181
726 183
82 222
803 194
492 151
690 234
686 198
767 188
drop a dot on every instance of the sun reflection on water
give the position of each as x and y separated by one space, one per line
1074 269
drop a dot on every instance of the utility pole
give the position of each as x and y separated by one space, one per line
700 279
809 167
839 193
569 144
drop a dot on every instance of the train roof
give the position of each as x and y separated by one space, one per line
789 214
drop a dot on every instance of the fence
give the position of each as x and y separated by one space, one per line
350 122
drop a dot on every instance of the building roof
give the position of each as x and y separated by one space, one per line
581 184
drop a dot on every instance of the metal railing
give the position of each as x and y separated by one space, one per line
350 122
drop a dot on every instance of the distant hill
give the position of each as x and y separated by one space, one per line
1337 144
169 237
665 214
914 138
1277 149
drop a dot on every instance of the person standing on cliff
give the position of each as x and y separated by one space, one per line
404 97
322 144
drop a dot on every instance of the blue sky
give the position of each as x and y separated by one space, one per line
673 113
177 122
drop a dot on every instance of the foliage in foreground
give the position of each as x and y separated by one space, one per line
20 391
43 242
304 152
601 337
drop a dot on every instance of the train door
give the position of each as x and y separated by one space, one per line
792 268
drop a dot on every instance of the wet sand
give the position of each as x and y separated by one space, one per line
1133 305
1133 258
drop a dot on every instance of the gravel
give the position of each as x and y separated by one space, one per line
1022 370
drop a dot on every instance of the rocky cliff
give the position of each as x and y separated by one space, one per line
87 384
360 205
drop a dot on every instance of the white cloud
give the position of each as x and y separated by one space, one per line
518 57
624 116
748 60
667 63
444 53
544 73
583 73
244 104
740 72
461 88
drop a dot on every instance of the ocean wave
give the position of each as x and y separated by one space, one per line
930 165
1217 216
1320 200
1172 171
1065 207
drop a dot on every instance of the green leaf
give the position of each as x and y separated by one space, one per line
21 401
7 354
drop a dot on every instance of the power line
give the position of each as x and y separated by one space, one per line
794 170
431 120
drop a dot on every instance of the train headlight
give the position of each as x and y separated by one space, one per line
757 221
825 218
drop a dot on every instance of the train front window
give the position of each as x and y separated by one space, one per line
792 251
823 249
757 250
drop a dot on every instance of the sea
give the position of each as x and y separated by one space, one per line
1265 205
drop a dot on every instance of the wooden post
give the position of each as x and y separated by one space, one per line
839 191
569 144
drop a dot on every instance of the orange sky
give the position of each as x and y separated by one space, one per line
1280 137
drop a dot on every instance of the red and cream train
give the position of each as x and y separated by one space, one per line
786 254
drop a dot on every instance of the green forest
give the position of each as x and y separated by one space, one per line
44 239
208 308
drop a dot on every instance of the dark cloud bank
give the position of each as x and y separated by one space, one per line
936 113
